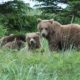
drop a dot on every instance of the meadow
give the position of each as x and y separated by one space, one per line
17 17
39 65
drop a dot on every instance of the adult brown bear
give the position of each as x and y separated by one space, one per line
60 36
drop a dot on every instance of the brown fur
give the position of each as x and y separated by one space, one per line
60 36
34 36
16 44
11 38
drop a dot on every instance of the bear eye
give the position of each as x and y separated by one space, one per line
40 29
33 37
36 38
28 38
46 28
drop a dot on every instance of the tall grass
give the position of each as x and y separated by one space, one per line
26 65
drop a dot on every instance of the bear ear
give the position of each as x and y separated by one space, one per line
39 20
51 21
38 33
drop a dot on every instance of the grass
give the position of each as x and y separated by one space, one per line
25 65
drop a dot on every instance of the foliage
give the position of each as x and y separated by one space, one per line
15 16
71 12
50 6
3 31
25 65
13 7
74 9
64 15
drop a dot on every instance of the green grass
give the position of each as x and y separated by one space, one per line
25 65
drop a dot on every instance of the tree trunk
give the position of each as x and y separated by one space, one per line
72 19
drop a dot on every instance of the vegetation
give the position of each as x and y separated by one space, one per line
25 65
50 6
15 16
18 17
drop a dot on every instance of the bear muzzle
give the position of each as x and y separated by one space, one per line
44 33
32 42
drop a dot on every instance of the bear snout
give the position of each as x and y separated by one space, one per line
44 33
32 42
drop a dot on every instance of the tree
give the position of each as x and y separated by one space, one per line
50 6
72 10
63 15
14 15
13 7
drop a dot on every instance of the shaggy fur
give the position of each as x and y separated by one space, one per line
60 36
33 40
11 38
16 44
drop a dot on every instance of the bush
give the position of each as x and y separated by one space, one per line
3 31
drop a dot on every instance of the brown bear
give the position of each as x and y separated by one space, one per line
11 38
16 44
33 40
60 36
